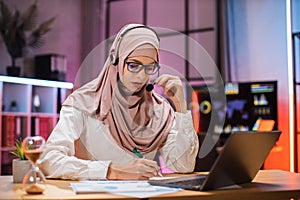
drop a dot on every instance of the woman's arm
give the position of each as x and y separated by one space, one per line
139 169
181 147
58 159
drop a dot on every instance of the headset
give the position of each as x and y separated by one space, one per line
114 54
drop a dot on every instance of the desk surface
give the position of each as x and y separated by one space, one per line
268 184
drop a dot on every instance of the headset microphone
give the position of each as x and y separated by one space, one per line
150 87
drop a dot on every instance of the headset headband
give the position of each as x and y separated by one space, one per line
114 54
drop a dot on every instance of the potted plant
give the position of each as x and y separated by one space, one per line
19 32
20 165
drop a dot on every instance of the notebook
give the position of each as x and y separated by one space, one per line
241 158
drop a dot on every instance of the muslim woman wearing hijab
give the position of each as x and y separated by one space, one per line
112 127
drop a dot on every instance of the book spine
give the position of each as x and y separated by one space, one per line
11 131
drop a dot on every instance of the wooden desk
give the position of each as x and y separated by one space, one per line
268 184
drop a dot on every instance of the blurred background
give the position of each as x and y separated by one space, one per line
253 45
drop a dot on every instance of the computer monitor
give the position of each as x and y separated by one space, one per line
249 101
246 102
249 106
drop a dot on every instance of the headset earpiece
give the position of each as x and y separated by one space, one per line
112 57
116 61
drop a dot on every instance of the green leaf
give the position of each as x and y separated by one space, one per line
29 17
5 16
18 151
35 40
45 26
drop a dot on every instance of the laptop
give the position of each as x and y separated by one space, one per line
239 161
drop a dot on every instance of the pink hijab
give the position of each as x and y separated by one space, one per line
140 120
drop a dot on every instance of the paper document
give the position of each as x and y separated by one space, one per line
140 189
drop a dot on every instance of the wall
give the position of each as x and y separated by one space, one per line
261 54
295 15
64 38
296 44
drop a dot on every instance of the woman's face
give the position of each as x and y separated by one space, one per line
134 81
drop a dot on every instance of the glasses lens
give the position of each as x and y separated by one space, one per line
134 67
149 69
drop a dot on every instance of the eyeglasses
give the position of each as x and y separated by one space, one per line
150 69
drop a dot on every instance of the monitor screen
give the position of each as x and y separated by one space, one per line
246 102
253 101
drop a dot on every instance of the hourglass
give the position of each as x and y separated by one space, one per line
34 182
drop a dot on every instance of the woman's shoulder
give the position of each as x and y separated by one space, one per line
73 111
79 115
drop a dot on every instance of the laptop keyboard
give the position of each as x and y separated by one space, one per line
188 182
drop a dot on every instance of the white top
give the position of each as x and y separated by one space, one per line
96 148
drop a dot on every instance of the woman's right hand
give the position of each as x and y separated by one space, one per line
140 169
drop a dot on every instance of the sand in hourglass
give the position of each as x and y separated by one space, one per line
36 188
33 155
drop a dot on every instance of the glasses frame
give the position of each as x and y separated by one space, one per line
141 66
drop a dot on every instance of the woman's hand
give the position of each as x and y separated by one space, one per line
140 169
173 89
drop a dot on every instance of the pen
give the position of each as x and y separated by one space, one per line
138 153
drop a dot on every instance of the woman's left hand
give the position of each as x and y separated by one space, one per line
173 89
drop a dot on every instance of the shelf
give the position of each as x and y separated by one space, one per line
20 115
40 114
32 114
37 82
7 148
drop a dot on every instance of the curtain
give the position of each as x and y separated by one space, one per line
226 51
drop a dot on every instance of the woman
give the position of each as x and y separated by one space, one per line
112 127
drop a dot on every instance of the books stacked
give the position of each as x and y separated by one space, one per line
43 126
12 129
